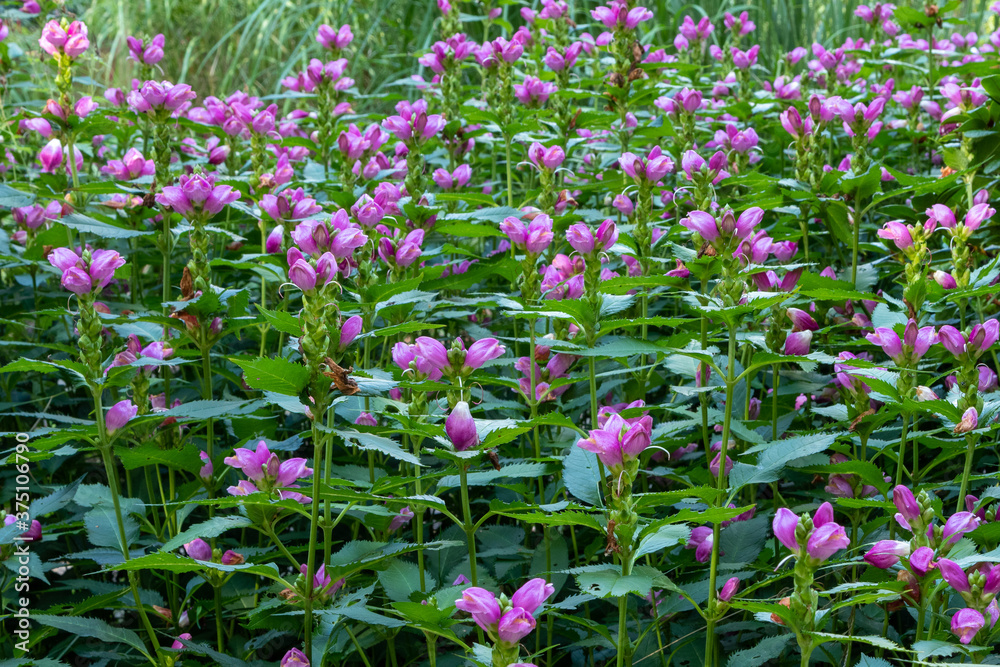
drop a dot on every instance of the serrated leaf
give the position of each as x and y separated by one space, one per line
768 648
274 374
212 528
92 627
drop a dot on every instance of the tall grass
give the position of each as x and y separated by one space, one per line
219 46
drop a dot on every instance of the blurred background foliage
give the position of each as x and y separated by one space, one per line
219 46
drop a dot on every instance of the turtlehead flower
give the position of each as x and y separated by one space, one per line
81 276
650 169
558 61
728 229
825 539
908 350
547 158
966 623
266 472
534 92
461 428
617 15
132 165
713 171
453 180
506 622
334 39
146 54
413 125
533 237
34 532
295 658
426 358
886 553
160 99
119 415
978 341
70 41
197 195
586 242
619 442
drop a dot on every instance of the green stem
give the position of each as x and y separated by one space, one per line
624 641
510 176
902 449
318 444
971 440
774 402
470 529
110 469
856 243
720 500
593 410
219 635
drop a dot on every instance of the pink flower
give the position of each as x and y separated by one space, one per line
898 233
461 427
784 525
618 441
534 92
966 624
199 549
146 54
533 238
958 525
133 165
71 41
886 553
701 541
349 330
404 517
531 595
549 158
482 605
797 343
452 180
514 625
954 575
732 584
332 39
119 415
969 421
652 169
51 156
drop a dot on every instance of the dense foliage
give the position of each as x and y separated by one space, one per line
615 343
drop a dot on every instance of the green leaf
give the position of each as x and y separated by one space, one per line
582 476
609 583
87 225
880 642
278 375
662 538
149 453
768 648
173 563
741 541
377 443
102 526
400 579
11 198
92 627
361 613
774 456
212 528
282 321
